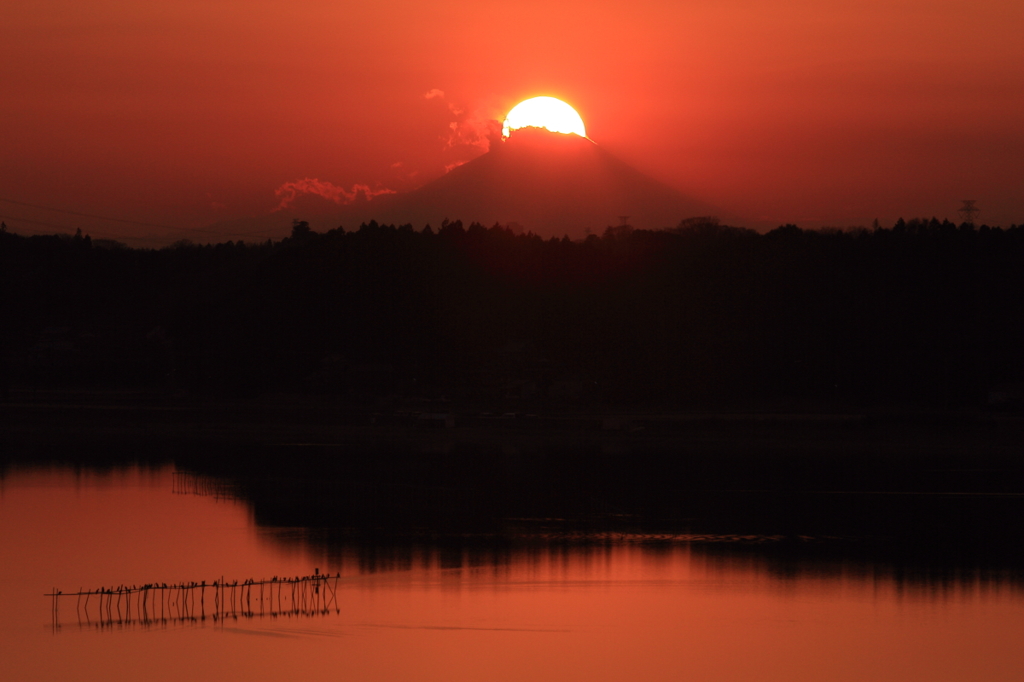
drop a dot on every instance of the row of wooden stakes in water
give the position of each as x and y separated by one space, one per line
160 602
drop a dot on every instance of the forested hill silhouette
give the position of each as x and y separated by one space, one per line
703 314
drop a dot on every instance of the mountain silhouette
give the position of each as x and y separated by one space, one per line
549 183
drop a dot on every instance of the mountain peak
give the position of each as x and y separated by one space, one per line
542 138
552 184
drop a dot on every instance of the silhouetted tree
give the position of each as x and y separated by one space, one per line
701 312
301 231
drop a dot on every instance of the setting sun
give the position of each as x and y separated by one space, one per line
544 112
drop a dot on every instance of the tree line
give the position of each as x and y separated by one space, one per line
924 312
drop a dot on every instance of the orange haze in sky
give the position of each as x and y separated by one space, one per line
818 113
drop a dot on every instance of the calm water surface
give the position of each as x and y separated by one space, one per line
618 611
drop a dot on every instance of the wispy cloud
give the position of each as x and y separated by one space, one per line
290 191
473 131
470 131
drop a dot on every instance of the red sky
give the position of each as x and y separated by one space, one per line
820 113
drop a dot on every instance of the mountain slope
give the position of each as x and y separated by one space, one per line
550 183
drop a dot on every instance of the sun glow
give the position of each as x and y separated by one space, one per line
544 112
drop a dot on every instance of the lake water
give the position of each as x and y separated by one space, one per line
629 608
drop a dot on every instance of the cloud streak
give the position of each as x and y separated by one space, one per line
290 191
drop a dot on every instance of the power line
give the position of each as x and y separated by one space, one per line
80 214
66 227
89 215
150 239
